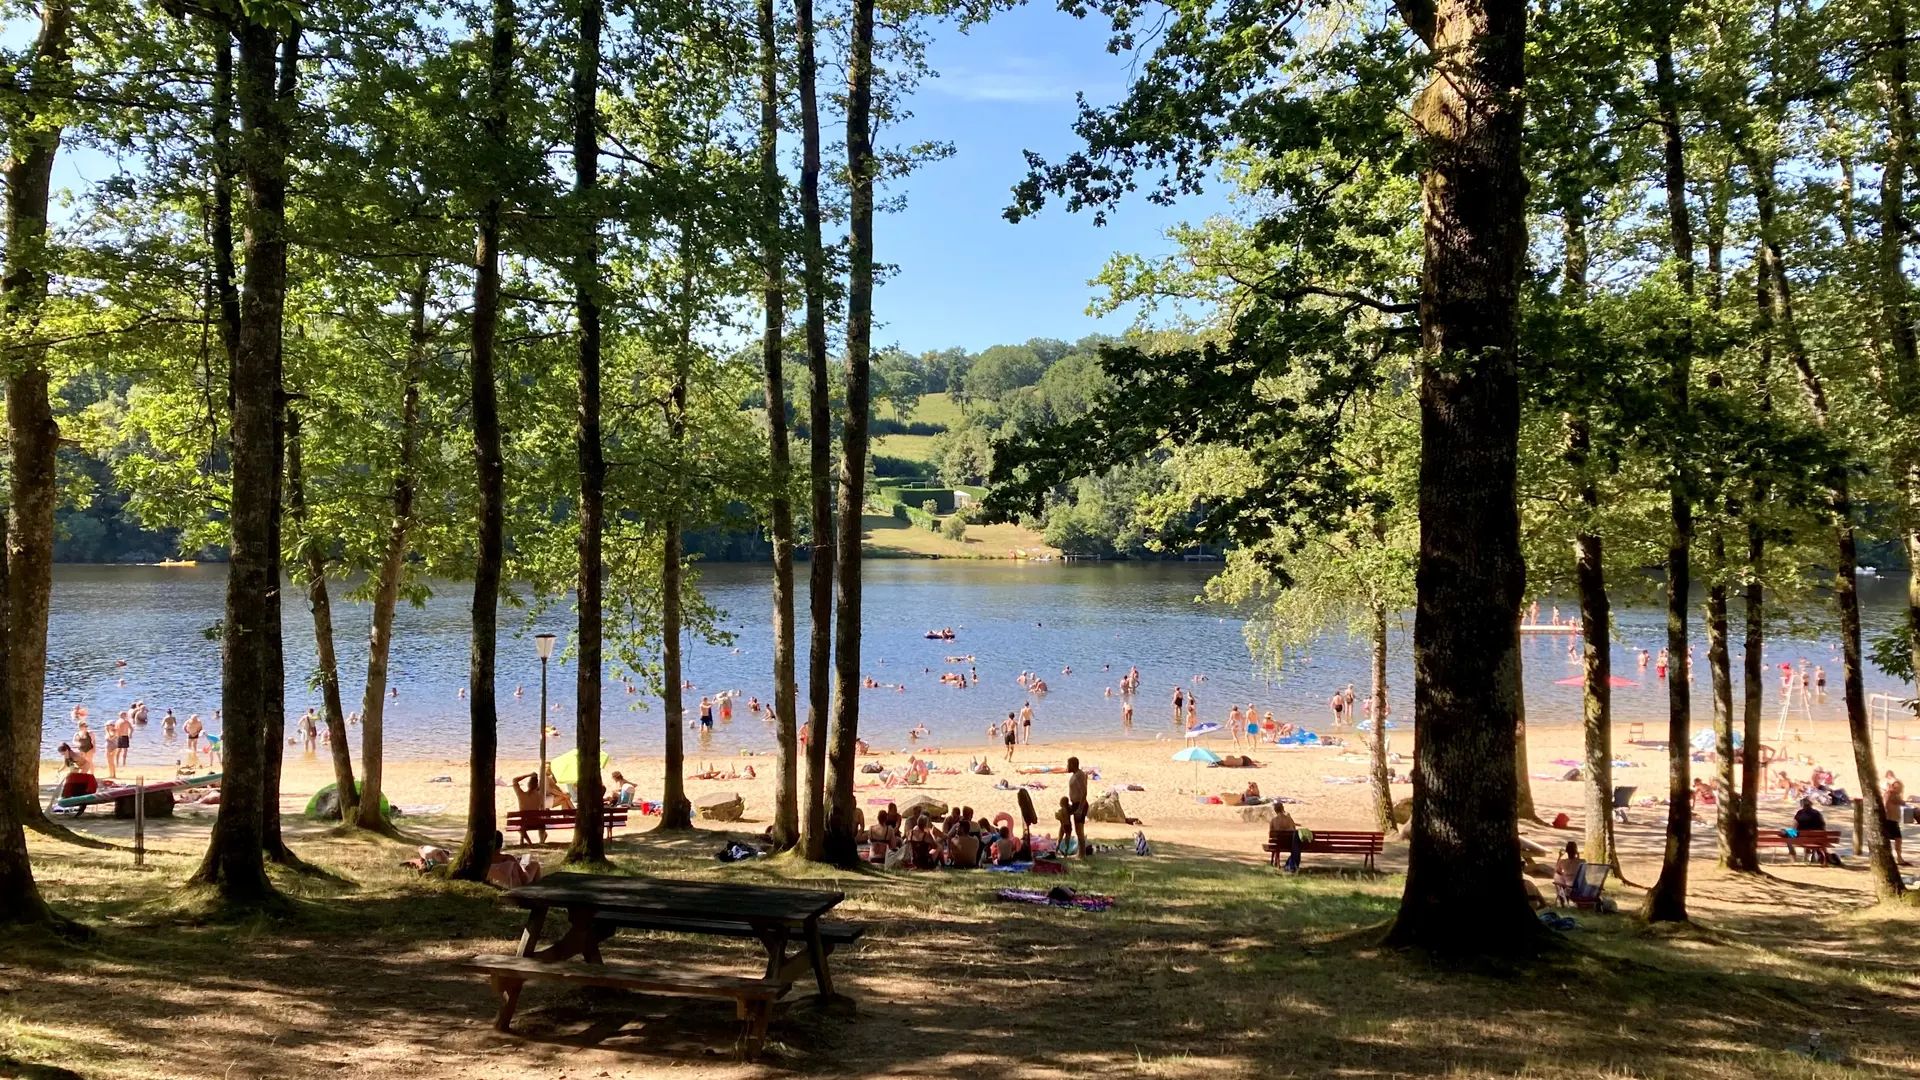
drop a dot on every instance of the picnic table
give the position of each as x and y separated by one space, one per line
598 907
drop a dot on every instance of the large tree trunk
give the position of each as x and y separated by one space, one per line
32 434
1463 891
321 604
1377 772
20 901
786 797
476 851
1895 288
1753 661
842 766
1846 596
589 842
276 736
813 818
1667 900
250 656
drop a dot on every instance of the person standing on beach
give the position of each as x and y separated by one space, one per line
1010 731
193 729
1233 724
1077 792
1893 797
1026 722
83 745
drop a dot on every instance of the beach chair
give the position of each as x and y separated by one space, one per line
1636 731
1588 886
1622 799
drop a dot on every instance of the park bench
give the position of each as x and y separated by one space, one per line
1822 841
525 821
753 997
1327 842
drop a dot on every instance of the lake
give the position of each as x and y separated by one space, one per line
1009 616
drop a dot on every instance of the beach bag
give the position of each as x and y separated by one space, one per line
896 857
1140 845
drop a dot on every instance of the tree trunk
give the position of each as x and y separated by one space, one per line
250 657
678 812
1753 662
321 604
786 796
1381 778
813 819
589 842
20 901
1846 596
1896 289
861 165
32 434
1590 579
1463 891
476 851
1727 800
1667 900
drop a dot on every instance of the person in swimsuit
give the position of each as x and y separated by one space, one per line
83 743
1179 702
1077 792
706 712
192 730
1010 732
1339 705
1126 714
1026 722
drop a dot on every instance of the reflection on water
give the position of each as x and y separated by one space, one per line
1096 618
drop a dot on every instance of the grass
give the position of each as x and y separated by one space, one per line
888 536
1205 968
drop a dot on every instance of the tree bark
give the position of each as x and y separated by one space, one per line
250 655
476 851
678 812
1667 900
33 435
786 797
321 604
1463 891
1381 778
20 900
813 819
1896 291
1727 800
861 166
1522 790
1590 579
1846 595
589 842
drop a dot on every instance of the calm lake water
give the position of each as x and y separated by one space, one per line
1010 617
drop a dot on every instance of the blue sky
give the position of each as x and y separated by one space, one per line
965 276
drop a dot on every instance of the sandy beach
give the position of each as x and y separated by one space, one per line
1324 786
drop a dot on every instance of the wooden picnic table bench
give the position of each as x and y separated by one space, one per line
1333 842
540 821
599 907
1822 841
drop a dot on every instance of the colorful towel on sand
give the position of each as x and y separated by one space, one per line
1084 902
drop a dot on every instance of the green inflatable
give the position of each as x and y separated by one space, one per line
325 804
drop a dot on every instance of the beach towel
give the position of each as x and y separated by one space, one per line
1060 896
1343 779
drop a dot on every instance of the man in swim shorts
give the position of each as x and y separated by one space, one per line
1077 793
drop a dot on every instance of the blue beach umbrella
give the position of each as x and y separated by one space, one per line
1205 727
1197 754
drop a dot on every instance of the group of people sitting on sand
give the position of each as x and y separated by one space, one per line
961 841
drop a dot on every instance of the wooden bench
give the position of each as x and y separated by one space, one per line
525 821
753 998
1331 842
1821 841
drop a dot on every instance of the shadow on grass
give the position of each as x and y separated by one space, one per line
1204 967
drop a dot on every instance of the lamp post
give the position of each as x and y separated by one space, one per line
543 644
